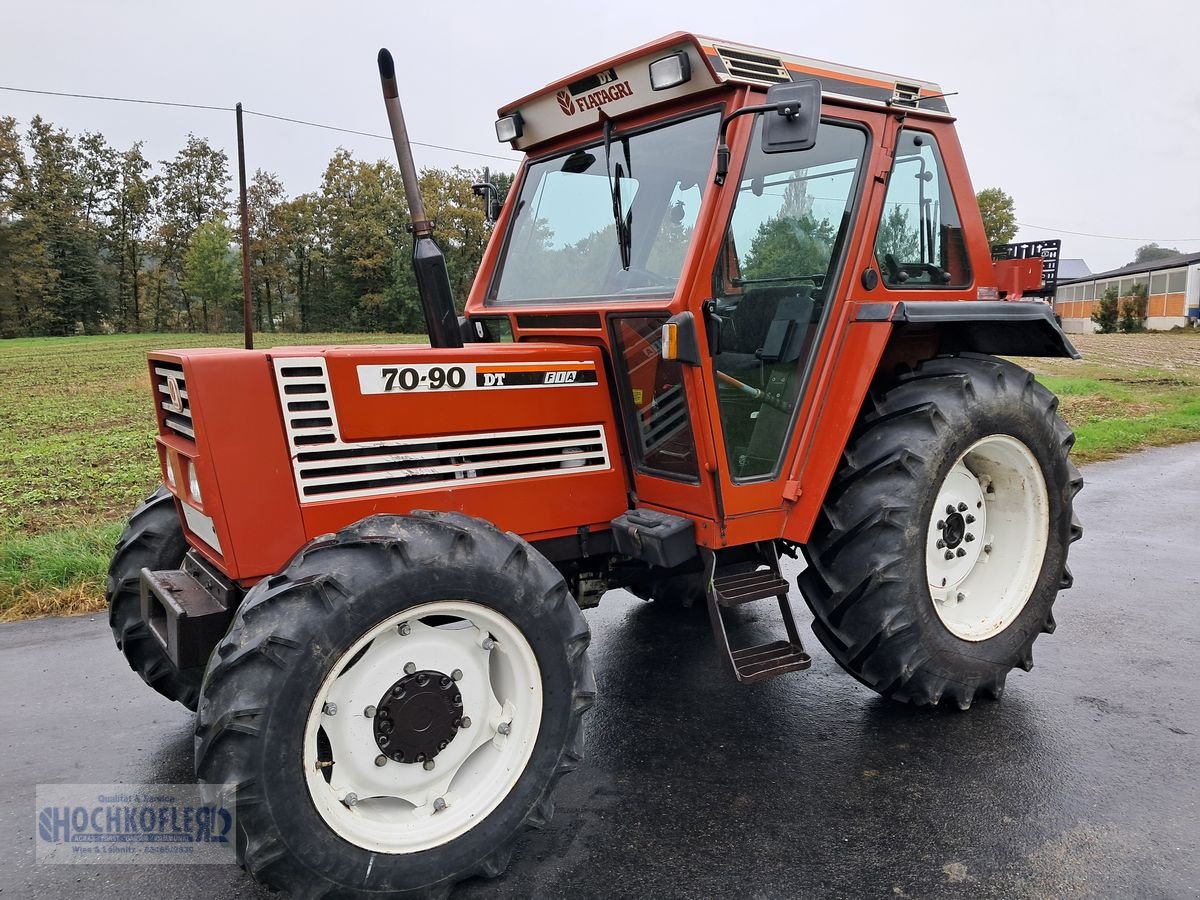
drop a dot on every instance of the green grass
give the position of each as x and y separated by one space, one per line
1119 413
77 454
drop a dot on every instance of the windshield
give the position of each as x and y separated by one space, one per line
574 209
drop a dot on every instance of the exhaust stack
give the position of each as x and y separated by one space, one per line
429 264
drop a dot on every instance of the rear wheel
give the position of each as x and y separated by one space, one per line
942 543
153 539
395 707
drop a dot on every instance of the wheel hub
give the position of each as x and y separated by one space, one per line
418 716
953 529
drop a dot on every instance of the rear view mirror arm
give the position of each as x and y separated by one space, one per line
787 109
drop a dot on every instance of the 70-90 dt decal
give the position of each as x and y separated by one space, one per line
401 378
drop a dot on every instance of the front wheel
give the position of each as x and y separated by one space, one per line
942 543
395 707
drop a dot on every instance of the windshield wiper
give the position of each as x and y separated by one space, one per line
622 222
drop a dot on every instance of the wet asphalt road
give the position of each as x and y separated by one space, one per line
1083 781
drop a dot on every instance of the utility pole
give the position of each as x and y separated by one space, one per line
246 327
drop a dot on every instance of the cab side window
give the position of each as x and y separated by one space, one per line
920 244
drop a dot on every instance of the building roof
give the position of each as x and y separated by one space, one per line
1169 262
1069 269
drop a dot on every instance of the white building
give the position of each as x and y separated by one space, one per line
1173 286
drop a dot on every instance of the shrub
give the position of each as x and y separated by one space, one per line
1106 314
1133 310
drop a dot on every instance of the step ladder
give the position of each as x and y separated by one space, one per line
732 587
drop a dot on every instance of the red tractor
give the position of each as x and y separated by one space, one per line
737 304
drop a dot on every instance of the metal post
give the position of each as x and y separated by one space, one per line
246 301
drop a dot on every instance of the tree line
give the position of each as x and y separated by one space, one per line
98 239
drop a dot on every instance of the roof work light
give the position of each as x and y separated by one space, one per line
509 128
670 71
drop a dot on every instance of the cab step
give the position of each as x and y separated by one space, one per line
734 588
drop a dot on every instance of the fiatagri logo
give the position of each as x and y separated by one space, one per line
595 96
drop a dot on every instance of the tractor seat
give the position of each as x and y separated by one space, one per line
767 325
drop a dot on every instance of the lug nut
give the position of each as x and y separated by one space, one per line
405 629
941 544
369 712
439 804
381 760
960 552
488 644
960 597
969 537
464 722
429 764
962 507
456 674
949 509
350 799
409 668
987 548
970 519
330 709
941 524
422 680
503 728
949 554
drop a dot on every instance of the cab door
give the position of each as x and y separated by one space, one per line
773 299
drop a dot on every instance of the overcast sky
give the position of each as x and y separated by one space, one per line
1087 113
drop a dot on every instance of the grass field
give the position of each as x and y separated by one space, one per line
77 439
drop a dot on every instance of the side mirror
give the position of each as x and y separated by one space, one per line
798 108
491 197
791 116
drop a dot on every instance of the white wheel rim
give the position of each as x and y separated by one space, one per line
986 539
404 807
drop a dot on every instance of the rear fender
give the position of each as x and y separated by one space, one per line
998 327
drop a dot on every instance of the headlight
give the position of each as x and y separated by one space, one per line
193 483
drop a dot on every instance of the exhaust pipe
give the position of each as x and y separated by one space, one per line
429 264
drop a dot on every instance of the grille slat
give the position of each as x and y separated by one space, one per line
389 455
328 468
754 66
175 403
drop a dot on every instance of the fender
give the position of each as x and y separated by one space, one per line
999 327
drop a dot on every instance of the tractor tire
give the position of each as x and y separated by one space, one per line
942 542
153 539
401 655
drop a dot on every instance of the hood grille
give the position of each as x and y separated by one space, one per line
328 468
173 399
756 67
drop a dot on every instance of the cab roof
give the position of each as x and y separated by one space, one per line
621 84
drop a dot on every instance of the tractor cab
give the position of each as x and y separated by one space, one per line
745 200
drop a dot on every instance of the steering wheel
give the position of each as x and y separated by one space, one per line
638 279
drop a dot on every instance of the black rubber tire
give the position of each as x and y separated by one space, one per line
866 575
153 539
294 627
